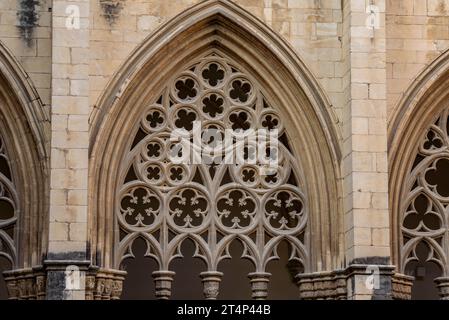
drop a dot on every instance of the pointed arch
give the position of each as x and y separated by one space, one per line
227 28
24 123
418 148
419 108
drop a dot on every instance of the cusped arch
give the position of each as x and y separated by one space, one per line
24 122
228 29
417 112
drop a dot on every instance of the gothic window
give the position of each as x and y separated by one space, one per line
8 217
425 243
215 208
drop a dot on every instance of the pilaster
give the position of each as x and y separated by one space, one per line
365 169
69 144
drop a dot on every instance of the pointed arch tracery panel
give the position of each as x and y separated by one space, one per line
9 220
424 241
418 152
214 203
9 211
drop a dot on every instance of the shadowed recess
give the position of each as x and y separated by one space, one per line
282 285
424 287
187 284
4 266
139 283
235 284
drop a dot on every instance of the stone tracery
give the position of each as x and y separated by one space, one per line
214 203
424 219
8 209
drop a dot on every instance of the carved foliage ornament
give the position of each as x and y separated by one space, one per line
212 203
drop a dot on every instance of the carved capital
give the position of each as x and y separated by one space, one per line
13 289
322 286
117 287
27 284
211 283
90 287
402 287
102 284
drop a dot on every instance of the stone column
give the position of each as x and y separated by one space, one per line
69 143
365 168
443 287
211 283
259 285
163 282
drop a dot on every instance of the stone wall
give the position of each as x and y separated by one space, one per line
417 33
313 28
25 28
